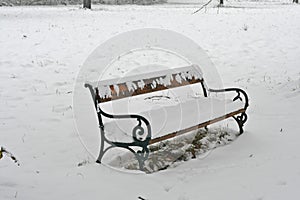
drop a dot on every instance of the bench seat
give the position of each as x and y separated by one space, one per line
166 115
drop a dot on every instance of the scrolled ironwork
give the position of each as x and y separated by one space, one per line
238 91
238 96
242 118
138 133
142 156
141 137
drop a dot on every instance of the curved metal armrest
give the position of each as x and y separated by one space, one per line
138 117
141 138
137 129
90 87
238 91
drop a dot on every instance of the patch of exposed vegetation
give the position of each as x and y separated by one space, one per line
172 152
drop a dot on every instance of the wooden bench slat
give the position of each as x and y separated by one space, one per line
118 88
174 134
148 88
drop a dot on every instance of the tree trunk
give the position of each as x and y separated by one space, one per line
87 4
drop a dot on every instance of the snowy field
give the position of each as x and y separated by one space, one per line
43 48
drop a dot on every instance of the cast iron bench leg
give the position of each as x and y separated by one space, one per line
241 120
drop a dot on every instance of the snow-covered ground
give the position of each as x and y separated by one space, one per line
43 48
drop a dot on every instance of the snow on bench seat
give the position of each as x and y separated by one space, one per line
166 115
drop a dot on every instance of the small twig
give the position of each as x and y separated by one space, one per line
158 96
23 137
202 6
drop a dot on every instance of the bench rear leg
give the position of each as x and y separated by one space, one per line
102 151
241 120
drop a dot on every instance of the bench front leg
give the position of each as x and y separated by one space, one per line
140 136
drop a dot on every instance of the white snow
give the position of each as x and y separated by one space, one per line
41 52
185 112
163 77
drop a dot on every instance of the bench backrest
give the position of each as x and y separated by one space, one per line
113 89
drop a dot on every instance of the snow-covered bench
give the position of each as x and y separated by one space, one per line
135 120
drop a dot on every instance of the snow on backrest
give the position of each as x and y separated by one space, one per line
118 88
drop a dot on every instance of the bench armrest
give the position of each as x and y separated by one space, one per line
138 131
238 96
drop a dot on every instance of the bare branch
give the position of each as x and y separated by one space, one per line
202 6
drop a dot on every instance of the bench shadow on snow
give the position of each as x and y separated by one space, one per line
170 153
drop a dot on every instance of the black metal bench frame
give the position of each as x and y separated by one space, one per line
141 155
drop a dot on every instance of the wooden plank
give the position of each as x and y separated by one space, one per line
148 88
174 134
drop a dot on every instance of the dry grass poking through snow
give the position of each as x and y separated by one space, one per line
181 149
